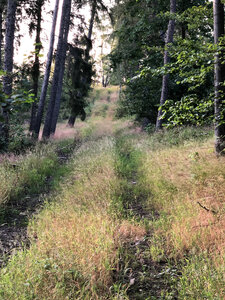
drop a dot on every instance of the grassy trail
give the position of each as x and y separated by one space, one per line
123 221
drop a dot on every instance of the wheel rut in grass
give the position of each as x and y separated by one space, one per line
140 276
15 215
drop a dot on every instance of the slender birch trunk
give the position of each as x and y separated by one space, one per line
165 81
219 78
44 89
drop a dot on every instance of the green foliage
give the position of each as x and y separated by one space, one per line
188 111
138 60
28 174
19 141
178 136
13 105
140 99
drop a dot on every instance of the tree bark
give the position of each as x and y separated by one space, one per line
90 30
72 119
8 61
60 84
165 81
56 90
1 37
219 78
9 46
44 89
36 66
2 9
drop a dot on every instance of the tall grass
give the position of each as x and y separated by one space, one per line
77 237
187 185
75 250
26 173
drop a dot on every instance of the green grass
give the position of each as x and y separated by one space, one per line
201 280
75 235
26 174
33 173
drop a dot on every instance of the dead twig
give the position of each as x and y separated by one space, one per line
207 209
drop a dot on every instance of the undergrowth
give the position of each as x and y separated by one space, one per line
24 174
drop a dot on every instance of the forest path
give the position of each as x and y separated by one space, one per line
144 278
136 276
15 215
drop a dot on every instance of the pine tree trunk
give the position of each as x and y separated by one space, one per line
219 78
60 84
44 89
8 62
72 119
1 36
56 89
90 30
165 81
36 66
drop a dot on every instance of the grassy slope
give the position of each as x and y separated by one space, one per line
124 189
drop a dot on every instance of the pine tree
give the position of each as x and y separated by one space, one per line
56 89
44 89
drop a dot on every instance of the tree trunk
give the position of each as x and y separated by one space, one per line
219 78
56 90
72 119
90 30
60 84
36 66
1 37
47 75
8 61
165 81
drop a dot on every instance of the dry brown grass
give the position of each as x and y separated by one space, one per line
128 232
189 185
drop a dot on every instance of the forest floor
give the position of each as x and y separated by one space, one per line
107 211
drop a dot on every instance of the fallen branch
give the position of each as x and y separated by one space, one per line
207 209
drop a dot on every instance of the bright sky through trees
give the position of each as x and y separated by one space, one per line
23 51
